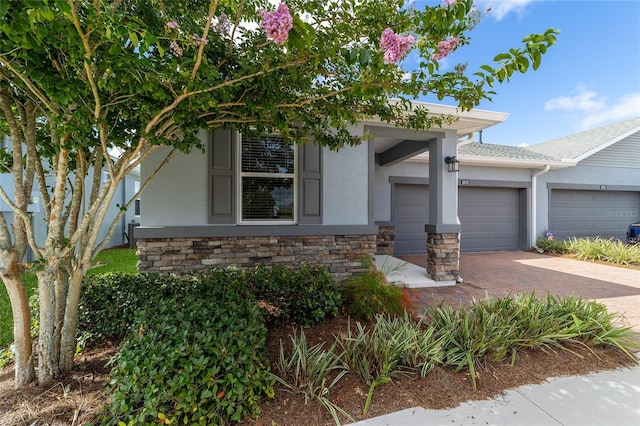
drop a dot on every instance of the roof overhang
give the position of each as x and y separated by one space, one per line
464 123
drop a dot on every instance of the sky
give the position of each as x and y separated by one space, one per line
589 78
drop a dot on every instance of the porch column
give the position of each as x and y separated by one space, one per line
443 229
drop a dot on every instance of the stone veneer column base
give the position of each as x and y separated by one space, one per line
443 256
385 240
342 255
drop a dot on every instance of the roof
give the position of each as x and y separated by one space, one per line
476 149
579 146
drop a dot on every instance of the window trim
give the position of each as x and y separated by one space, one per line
240 175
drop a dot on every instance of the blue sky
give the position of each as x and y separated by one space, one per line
589 78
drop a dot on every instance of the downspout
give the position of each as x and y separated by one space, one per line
534 198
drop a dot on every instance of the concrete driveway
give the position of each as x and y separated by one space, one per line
502 273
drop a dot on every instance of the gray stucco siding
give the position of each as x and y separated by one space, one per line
180 195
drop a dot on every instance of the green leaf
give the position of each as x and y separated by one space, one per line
365 56
134 38
502 57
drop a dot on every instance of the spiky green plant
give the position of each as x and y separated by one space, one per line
312 372
395 346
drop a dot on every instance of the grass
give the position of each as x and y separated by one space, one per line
113 260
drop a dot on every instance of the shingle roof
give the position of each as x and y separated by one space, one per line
578 144
476 149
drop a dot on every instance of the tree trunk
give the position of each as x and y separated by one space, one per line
68 341
24 371
50 326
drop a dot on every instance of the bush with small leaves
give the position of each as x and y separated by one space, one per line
192 359
305 296
109 302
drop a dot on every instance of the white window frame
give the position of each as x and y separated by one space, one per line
239 186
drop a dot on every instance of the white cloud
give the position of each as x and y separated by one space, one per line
628 106
583 101
597 110
501 8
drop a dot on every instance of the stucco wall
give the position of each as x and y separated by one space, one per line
179 195
345 192
421 170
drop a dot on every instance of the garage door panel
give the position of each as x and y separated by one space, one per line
490 219
489 216
409 228
411 213
579 213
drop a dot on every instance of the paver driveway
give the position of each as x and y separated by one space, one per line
502 273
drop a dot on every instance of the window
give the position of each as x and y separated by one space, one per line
267 180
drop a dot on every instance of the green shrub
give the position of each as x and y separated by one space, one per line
502 325
192 359
551 246
370 294
109 302
590 249
306 295
606 250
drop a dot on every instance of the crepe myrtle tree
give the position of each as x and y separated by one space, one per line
93 86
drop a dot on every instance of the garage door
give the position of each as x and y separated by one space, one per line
576 213
410 214
490 219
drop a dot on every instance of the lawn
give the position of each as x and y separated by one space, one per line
113 260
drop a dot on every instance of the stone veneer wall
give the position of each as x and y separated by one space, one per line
385 240
342 254
443 256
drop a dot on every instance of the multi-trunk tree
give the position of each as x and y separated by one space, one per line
95 86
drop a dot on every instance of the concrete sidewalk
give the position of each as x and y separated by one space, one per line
607 398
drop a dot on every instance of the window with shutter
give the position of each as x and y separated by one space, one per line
267 180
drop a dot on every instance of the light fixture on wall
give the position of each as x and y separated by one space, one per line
452 163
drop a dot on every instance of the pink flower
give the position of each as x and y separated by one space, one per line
172 25
445 47
224 24
394 46
448 2
277 24
175 48
197 40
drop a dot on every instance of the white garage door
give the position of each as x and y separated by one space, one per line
576 213
410 214
490 219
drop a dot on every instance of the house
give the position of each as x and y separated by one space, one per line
126 189
250 201
583 185
600 194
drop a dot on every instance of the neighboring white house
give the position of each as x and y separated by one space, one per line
126 189
246 202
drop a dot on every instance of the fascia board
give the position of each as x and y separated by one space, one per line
501 162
